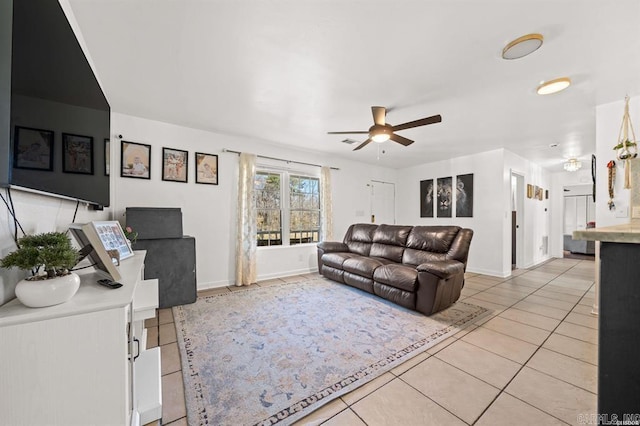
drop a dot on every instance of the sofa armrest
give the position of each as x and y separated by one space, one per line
444 269
333 247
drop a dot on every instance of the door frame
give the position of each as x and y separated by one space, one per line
372 185
519 205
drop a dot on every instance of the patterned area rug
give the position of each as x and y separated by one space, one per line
272 355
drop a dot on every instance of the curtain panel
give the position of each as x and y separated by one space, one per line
246 244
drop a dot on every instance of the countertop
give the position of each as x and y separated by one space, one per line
627 233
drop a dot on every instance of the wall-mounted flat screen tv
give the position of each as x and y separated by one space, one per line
59 117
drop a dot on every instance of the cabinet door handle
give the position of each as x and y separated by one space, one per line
135 340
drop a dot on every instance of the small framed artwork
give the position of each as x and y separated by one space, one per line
206 168
464 195
546 194
529 191
33 149
135 160
426 198
107 157
444 197
174 165
77 154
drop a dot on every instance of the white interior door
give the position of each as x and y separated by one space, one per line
383 202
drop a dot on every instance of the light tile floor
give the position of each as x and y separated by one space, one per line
532 362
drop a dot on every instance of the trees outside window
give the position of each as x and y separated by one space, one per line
287 204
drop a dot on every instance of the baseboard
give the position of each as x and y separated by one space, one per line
225 283
490 272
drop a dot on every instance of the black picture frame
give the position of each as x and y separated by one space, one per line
175 165
444 197
464 195
206 168
77 154
135 160
33 148
107 157
426 198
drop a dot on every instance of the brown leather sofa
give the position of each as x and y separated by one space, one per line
418 267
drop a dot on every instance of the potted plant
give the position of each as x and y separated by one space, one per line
49 258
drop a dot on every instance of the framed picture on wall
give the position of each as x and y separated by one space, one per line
426 198
444 197
135 160
174 165
77 154
206 168
107 157
464 195
32 148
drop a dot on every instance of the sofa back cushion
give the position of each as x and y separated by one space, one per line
429 243
389 242
359 238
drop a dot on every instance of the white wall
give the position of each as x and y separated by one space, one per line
209 212
487 169
608 120
537 214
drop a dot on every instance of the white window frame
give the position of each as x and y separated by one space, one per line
285 203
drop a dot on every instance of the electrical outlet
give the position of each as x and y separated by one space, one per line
635 212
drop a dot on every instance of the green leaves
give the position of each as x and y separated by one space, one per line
50 251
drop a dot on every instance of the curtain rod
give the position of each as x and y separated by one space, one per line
279 159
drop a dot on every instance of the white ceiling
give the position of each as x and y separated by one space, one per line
288 71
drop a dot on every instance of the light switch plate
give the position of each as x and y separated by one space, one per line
622 212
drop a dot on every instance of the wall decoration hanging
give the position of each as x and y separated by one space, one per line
444 197
529 191
174 165
136 160
464 195
611 166
206 168
426 198
77 154
627 147
33 149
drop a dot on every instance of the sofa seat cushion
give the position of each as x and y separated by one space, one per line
363 266
398 276
336 259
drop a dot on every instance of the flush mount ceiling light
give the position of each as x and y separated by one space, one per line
522 46
553 86
572 165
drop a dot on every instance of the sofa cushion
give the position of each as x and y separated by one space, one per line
359 238
436 239
395 235
415 257
398 276
364 266
336 259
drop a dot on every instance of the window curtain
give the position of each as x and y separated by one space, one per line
326 226
246 244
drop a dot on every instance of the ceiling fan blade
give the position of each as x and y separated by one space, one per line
379 114
356 132
401 139
363 144
417 123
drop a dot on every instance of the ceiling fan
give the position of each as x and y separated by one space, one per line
382 131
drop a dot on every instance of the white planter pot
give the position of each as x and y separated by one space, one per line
38 294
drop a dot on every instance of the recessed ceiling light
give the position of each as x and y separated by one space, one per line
522 46
554 86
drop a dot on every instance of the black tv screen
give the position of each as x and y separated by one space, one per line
59 118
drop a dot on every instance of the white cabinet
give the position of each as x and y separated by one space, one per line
73 364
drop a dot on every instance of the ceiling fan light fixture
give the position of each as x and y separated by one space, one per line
553 86
522 46
380 137
572 165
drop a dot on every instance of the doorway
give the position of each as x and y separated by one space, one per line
383 202
517 220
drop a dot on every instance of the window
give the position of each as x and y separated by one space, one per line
287 204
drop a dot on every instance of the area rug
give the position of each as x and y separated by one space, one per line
272 355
